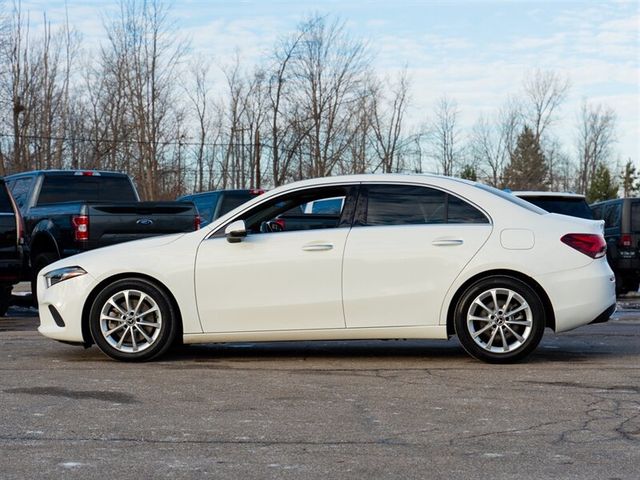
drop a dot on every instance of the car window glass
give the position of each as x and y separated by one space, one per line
459 211
81 188
597 212
635 217
412 205
5 201
20 189
287 213
612 216
404 205
233 200
206 205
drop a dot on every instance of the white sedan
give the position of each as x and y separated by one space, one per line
400 256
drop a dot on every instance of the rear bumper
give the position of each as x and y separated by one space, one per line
604 316
580 295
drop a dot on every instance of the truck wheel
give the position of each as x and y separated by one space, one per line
5 299
133 320
39 262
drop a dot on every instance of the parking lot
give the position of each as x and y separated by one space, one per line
394 409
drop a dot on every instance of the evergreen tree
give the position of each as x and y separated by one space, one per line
602 187
469 173
528 169
630 181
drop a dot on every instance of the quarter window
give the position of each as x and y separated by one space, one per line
412 205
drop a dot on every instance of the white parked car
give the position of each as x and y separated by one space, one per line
407 256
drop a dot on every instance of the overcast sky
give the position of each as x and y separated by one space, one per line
476 52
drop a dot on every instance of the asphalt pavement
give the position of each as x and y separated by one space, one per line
387 409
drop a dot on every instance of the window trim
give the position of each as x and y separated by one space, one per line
363 199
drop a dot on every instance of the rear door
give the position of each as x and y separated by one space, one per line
406 247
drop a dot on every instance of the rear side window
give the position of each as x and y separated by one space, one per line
77 188
411 205
635 217
20 189
5 201
612 215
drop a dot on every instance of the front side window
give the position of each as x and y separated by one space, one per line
413 205
290 213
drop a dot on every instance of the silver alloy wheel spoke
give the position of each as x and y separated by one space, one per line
140 300
131 321
482 330
478 302
526 323
505 345
514 333
115 329
142 332
494 329
517 310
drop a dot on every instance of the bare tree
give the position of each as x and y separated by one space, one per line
544 92
445 136
596 135
387 115
329 71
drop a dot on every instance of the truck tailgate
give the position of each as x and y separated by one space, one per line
111 224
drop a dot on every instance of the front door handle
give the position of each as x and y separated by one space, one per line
447 242
317 247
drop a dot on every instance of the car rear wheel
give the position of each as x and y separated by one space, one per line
500 320
132 320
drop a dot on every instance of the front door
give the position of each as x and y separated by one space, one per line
286 274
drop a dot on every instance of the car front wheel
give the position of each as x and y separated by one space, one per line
132 320
500 320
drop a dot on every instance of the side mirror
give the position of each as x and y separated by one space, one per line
235 231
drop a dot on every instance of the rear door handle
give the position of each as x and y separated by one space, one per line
447 242
317 247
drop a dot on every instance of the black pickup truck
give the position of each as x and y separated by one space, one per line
11 246
68 212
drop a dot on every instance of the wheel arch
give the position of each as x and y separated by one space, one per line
546 302
43 241
86 308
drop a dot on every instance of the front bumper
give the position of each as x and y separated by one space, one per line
68 299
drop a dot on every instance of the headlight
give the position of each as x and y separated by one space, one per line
61 274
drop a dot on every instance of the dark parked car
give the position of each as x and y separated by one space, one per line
67 212
571 204
11 246
212 205
622 233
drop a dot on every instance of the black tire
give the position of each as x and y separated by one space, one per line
142 341
5 299
490 334
38 263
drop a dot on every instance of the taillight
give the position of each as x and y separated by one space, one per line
625 241
80 227
281 222
590 244
197 221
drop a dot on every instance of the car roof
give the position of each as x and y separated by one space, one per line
79 172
